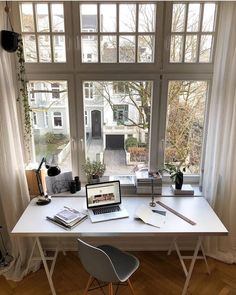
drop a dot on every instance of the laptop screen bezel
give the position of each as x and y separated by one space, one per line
102 205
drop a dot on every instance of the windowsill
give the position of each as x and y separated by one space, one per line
129 191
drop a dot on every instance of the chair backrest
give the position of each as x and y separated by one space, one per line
97 263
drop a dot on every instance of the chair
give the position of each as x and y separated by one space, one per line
107 264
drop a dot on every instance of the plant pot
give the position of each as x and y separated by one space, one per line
179 178
94 179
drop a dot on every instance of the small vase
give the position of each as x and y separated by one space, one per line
179 180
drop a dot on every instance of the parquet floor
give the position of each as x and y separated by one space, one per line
158 274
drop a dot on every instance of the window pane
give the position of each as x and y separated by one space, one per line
42 18
118 129
108 18
193 17
89 48
59 49
146 18
127 49
178 17
176 48
52 134
30 48
127 18
27 18
57 12
145 48
44 46
191 48
108 49
185 123
205 53
208 17
88 17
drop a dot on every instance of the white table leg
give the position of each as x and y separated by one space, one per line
171 246
46 266
204 256
192 265
180 257
31 256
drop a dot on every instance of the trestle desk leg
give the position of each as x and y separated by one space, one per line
171 246
195 254
45 266
180 257
204 256
31 256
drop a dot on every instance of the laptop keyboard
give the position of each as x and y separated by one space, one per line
106 210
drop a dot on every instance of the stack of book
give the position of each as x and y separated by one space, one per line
67 218
186 189
148 183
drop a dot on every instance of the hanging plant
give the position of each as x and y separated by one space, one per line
23 93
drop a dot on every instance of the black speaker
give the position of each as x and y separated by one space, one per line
9 40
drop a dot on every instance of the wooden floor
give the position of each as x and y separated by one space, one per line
158 274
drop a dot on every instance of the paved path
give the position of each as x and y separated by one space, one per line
116 163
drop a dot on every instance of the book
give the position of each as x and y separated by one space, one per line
150 217
186 189
148 183
67 218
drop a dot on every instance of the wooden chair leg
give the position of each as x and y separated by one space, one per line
88 285
110 289
131 287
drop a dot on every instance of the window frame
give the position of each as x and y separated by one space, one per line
184 66
69 42
75 73
109 67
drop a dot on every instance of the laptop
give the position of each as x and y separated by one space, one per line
104 201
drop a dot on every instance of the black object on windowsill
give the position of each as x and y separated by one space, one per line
52 171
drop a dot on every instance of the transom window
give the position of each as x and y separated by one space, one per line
118 33
43 32
192 32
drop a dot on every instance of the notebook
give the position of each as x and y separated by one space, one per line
104 201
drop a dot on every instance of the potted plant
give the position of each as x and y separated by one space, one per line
94 170
176 174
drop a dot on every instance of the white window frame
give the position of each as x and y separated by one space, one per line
76 72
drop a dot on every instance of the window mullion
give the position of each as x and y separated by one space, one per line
185 32
50 33
117 32
98 33
36 32
136 35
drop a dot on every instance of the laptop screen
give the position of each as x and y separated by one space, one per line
103 194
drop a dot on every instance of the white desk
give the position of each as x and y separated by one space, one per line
33 223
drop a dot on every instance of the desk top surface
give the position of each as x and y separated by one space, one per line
33 221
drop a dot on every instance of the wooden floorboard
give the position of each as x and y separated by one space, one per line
158 274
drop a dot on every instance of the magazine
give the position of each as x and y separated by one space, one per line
68 218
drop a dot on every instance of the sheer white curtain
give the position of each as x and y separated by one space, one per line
219 182
14 195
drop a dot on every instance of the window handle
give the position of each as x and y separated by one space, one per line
162 144
81 144
72 143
